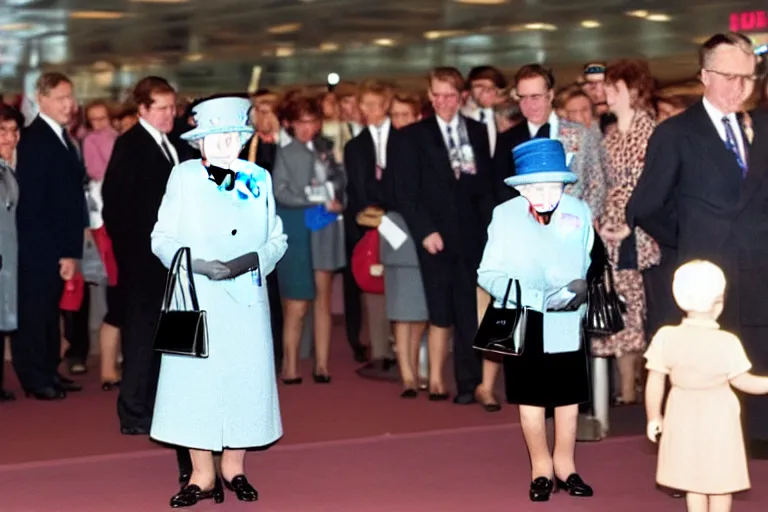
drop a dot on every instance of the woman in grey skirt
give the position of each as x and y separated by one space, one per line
309 189
10 126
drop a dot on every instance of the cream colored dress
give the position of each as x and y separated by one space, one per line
702 447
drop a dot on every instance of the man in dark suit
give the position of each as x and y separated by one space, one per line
365 160
443 188
51 219
704 194
134 186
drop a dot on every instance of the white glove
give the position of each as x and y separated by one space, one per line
653 430
213 270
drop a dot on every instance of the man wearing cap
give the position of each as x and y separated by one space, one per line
594 87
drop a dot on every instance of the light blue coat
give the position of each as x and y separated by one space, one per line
544 259
229 399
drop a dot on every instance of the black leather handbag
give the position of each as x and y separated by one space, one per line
604 306
502 330
181 332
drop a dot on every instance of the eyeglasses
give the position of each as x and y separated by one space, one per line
732 77
531 97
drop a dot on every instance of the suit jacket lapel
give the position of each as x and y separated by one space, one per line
754 173
713 145
438 145
155 148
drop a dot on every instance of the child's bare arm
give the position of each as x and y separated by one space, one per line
750 383
654 394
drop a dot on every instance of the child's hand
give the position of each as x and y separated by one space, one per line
653 430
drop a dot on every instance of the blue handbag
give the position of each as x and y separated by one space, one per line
317 217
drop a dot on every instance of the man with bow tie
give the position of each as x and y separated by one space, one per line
704 194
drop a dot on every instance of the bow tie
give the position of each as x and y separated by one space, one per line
220 175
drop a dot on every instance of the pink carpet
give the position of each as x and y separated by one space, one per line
482 468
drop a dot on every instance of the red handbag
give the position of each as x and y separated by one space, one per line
366 264
74 291
104 245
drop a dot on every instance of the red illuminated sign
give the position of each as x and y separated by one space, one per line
749 21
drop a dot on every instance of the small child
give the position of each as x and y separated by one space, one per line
701 450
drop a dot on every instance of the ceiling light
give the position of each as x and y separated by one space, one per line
638 14
481 2
329 47
16 27
658 17
441 34
287 28
194 57
96 15
159 1
284 51
590 24
540 26
384 42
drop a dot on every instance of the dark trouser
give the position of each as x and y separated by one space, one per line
77 330
37 343
451 292
141 366
755 342
276 317
661 308
353 315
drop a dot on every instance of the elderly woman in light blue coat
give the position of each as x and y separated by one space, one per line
223 209
543 240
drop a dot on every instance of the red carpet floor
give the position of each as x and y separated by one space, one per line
349 446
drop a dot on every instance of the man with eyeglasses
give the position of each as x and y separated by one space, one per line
704 194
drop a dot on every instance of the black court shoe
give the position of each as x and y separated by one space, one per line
575 486
190 495
242 488
541 489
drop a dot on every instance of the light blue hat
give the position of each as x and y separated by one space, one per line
540 161
221 115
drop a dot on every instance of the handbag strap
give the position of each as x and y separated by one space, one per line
173 277
506 294
609 272
509 289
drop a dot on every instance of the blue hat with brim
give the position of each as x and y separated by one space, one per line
221 115
540 161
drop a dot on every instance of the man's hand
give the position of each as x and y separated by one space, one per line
433 243
334 206
67 268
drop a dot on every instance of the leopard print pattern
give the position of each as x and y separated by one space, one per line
626 154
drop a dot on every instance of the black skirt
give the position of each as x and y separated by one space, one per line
546 380
115 307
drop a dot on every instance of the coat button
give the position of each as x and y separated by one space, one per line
234 232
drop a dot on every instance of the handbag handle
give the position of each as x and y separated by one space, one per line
608 270
517 293
173 275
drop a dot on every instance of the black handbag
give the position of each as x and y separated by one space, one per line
604 306
502 330
181 333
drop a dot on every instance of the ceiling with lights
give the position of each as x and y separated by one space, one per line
207 44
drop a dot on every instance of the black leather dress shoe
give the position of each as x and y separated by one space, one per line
6 396
242 488
67 385
110 385
541 489
47 394
64 379
464 399
190 495
134 431
575 486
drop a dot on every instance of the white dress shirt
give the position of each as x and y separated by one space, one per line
380 136
160 138
454 124
488 118
717 119
554 127
56 127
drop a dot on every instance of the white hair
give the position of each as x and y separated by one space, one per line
698 285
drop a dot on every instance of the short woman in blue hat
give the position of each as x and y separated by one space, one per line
543 239
223 209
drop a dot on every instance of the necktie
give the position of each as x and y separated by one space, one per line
167 151
482 116
70 145
733 146
453 152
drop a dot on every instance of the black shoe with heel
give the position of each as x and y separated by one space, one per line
575 486
190 495
321 378
541 489
242 488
